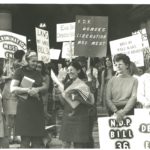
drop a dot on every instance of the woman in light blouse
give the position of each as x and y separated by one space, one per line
143 92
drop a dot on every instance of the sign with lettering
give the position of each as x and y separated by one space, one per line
68 50
142 128
42 41
114 135
91 36
145 44
143 35
66 32
131 46
54 54
10 42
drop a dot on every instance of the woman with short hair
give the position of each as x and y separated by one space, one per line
122 89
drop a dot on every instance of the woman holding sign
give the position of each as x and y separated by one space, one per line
77 101
122 89
30 114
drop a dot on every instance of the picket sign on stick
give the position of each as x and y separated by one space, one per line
88 66
56 80
88 63
71 51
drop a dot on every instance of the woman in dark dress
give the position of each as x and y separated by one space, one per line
76 126
30 114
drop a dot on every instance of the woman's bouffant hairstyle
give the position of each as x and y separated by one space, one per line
30 53
77 66
122 57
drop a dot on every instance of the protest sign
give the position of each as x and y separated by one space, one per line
54 54
42 41
114 135
68 50
142 128
131 46
66 32
143 35
145 45
91 36
10 42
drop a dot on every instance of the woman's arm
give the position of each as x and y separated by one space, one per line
36 90
141 93
109 102
132 100
102 86
14 87
45 84
130 104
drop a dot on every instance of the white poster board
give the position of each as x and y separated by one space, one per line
54 54
142 128
42 41
143 35
66 32
113 135
131 46
68 50
10 42
145 44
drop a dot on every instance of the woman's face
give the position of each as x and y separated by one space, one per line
121 67
32 62
72 72
108 62
39 67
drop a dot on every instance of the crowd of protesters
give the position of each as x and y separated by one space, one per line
26 111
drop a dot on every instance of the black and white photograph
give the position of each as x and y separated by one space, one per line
74 75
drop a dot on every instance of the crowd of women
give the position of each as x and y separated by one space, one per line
79 90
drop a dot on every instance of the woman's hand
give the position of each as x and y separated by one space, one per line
89 74
120 115
33 91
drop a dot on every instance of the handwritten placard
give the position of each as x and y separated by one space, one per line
131 46
142 128
68 50
10 42
114 135
145 44
42 41
91 36
143 35
66 32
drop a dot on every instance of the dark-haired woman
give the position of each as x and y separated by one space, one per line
122 89
42 69
77 100
9 99
30 114
106 75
